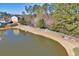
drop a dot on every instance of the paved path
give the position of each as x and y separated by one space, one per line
67 44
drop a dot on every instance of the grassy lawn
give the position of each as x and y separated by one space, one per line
76 51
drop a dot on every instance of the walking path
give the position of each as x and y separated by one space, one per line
67 44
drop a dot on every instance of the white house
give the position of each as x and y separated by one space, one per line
14 19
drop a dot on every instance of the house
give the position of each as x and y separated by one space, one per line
8 20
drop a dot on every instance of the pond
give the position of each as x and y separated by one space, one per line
14 42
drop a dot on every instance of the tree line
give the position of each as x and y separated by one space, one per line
59 17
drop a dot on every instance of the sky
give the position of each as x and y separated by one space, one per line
14 8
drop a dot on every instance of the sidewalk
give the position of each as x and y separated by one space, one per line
67 44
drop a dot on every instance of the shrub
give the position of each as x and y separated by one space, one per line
41 24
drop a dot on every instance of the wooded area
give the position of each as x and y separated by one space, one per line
59 17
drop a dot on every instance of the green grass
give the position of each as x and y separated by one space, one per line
76 51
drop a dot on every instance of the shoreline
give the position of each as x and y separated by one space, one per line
49 34
68 47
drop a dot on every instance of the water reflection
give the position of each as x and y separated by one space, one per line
16 32
12 32
8 32
17 42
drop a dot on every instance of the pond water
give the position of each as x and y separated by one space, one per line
14 42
